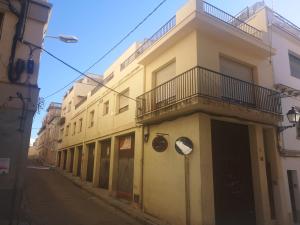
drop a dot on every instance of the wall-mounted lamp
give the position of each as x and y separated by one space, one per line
293 116
146 133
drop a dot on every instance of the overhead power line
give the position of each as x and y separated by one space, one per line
83 74
109 51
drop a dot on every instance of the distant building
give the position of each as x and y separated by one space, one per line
20 22
48 135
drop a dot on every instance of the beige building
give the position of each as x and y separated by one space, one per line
19 21
285 38
187 130
48 135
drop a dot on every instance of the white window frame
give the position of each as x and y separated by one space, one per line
295 55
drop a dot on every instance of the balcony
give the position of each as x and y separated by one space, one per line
149 42
219 14
201 89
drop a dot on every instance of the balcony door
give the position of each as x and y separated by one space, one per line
233 88
165 92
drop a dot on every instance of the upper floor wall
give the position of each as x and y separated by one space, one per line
36 25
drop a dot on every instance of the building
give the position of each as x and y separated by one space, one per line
20 21
284 36
48 135
188 127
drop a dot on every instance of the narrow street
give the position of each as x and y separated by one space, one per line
50 199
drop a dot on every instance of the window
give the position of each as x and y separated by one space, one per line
163 75
108 78
123 101
61 134
92 114
1 23
69 106
106 108
294 64
236 69
67 130
80 125
74 128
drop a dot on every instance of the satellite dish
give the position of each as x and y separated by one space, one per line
184 146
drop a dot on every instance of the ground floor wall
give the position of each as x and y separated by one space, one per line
112 162
291 173
182 189
14 141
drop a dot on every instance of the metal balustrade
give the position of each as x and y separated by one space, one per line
149 42
231 20
202 82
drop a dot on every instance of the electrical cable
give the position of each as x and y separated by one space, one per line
110 50
83 74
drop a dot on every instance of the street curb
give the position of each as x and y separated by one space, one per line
137 214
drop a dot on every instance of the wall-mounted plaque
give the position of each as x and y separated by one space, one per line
160 143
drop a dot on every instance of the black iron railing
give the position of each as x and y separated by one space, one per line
149 42
231 20
202 82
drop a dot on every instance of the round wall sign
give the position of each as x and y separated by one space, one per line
159 143
184 146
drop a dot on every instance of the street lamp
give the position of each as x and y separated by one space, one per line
65 38
293 117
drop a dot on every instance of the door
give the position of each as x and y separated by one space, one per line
79 161
71 160
58 159
125 167
104 164
232 176
90 166
238 86
294 194
65 160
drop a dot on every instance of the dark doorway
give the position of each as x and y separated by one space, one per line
125 167
90 165
65 160
79 161
294 194
58 158
71 160
104 163
233 189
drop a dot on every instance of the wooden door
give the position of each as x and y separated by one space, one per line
125 167
232 175
79 161
90 166
104 164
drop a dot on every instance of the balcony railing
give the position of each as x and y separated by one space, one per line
202 82
231 20
149 42
286 25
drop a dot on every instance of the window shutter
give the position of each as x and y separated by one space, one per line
236 70
165 74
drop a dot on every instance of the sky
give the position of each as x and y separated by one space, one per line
100 24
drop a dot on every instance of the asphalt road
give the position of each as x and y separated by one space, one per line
51 199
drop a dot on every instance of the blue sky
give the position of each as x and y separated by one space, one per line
99 24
